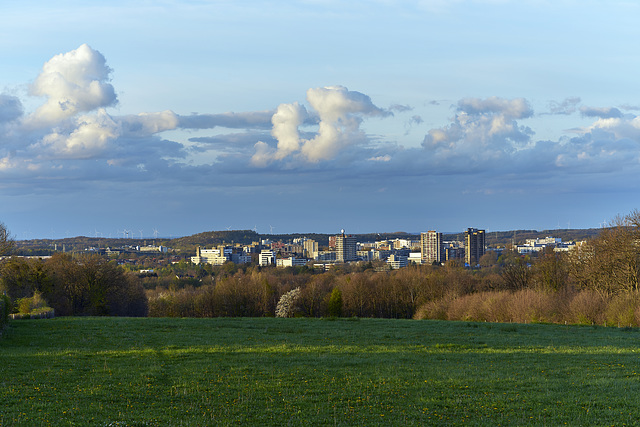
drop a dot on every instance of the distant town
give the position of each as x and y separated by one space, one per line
322 252
396 253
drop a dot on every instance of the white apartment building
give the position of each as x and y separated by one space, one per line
291 262
267 257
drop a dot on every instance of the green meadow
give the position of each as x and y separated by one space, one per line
318 372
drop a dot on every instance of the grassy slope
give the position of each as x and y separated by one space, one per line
96 371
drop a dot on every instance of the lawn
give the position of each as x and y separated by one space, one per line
194 372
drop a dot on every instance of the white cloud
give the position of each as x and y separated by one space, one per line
89 137
264 154
285 128
73 82
483 129
340 113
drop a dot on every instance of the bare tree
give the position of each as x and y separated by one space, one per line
610 263
6 240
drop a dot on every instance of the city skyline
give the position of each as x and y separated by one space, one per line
180 117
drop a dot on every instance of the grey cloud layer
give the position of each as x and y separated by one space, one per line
72 135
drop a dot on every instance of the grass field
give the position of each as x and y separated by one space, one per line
146 371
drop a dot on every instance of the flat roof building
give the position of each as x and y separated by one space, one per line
431 247
345 248
474 246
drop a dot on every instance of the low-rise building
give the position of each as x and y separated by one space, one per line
267 258
397 261
214 256
291 262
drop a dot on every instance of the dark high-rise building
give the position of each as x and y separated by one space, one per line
345 248
474 246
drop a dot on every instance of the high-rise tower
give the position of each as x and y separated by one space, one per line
345 248
431 247
474 246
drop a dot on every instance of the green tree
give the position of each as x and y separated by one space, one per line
335 303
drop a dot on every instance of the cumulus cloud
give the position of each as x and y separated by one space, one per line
482 129
340 113
89 137
76 137
73 82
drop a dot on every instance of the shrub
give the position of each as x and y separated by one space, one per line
622 308
528 305
586 308
27 305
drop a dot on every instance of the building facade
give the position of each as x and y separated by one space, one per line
345 248
397 261
474 246
431 247
267 258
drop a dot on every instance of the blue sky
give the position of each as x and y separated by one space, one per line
312 116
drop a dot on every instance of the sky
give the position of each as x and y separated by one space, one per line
177 117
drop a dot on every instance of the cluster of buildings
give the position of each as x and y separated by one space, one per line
127 249
343 248
532 246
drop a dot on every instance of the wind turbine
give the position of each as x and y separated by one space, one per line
271 227
229 228
141 233
255 229
155 233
